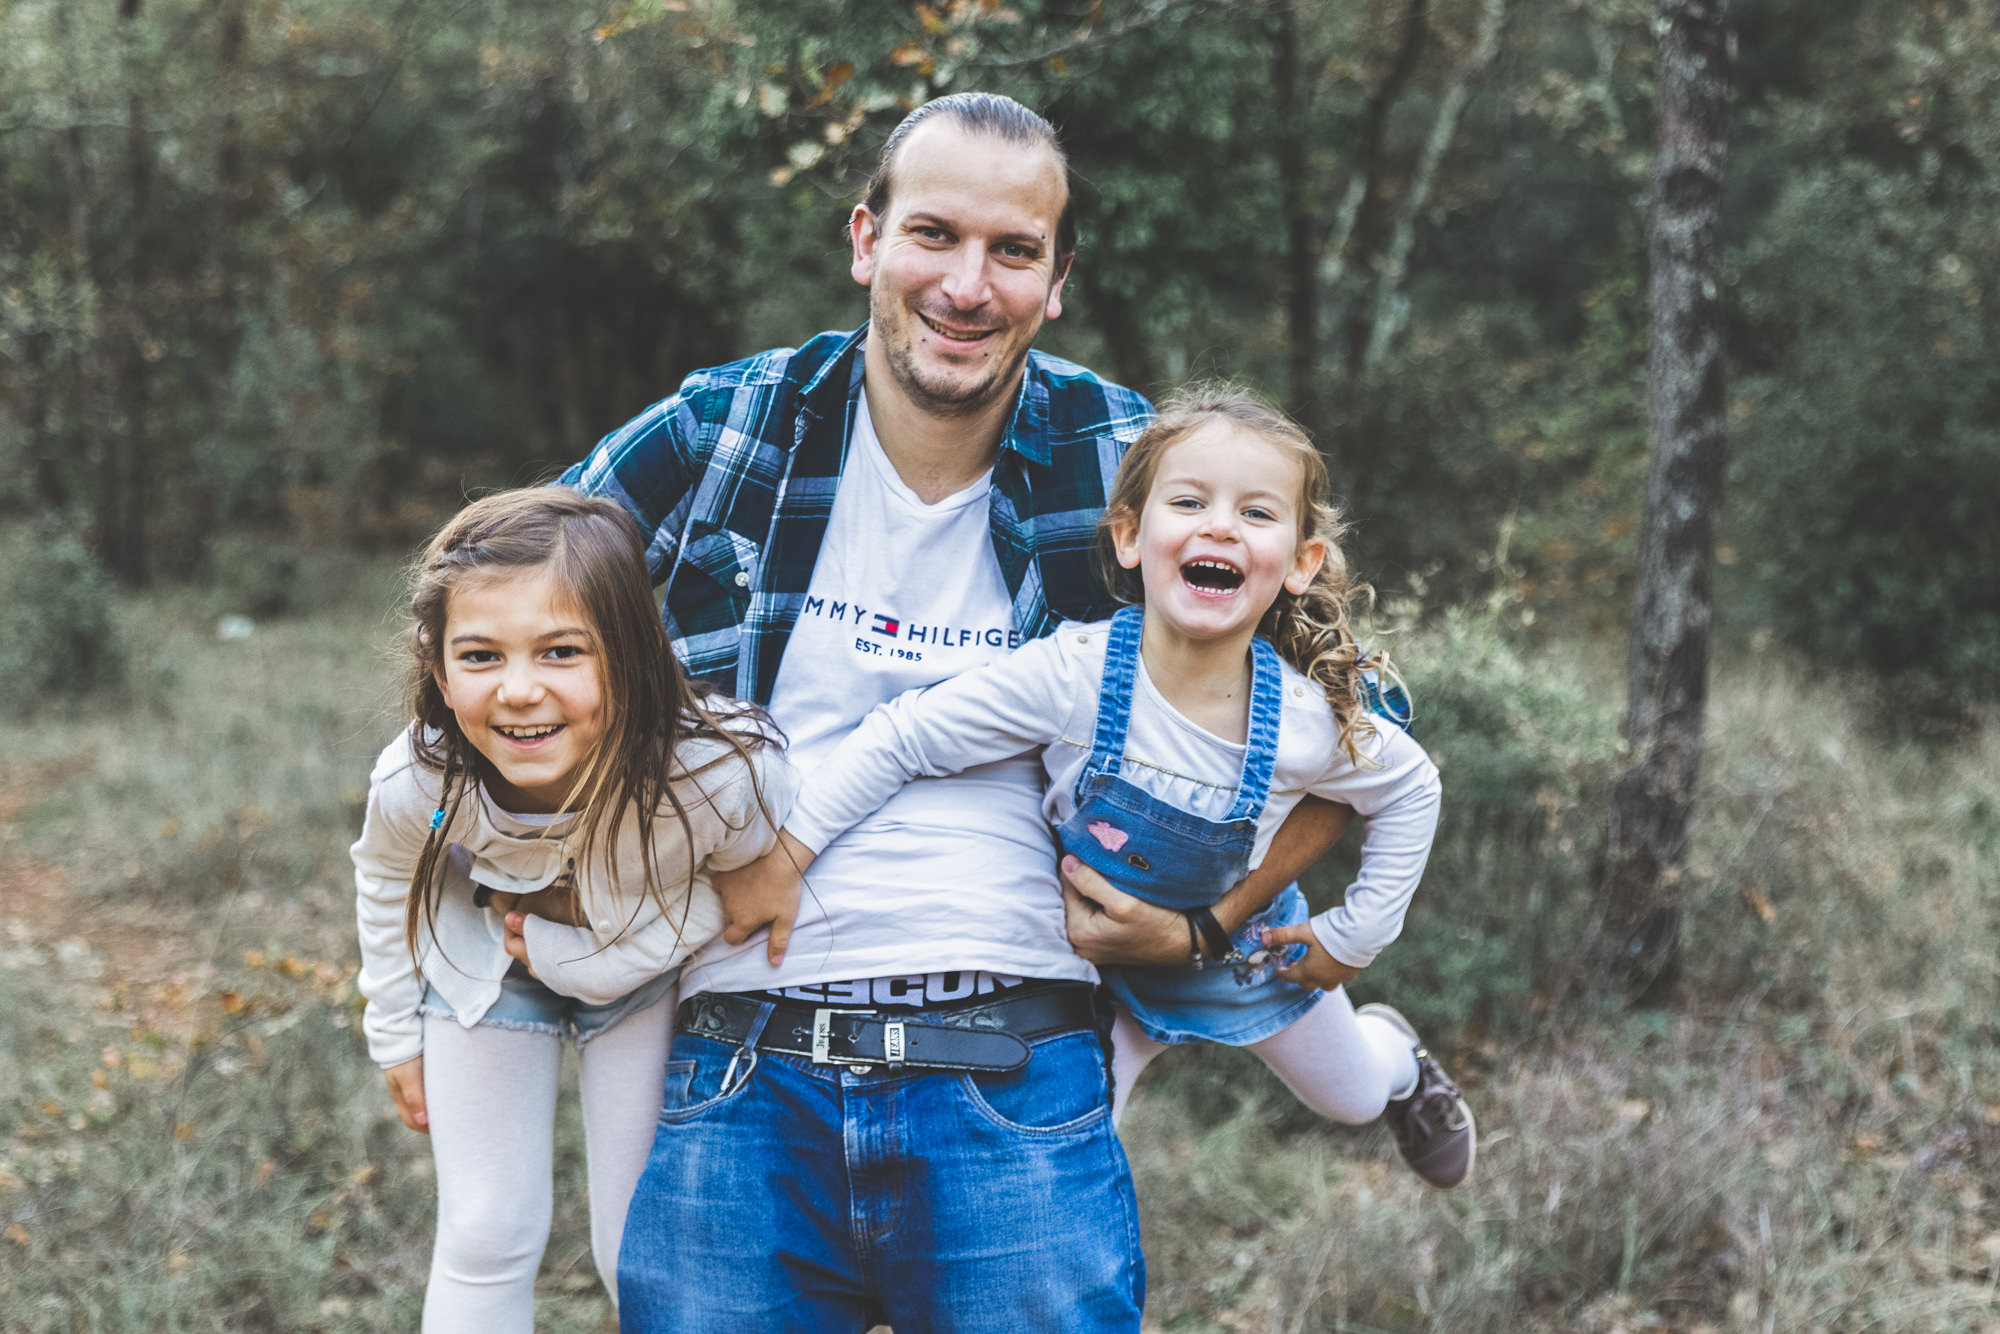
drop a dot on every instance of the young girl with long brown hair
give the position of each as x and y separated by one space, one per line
534 868
1176 737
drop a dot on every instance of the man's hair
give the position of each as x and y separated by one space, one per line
997 117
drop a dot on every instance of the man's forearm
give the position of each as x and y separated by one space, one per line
1313 826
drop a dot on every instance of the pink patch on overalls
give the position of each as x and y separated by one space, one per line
1112 839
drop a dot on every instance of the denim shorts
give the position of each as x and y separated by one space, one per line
527 1005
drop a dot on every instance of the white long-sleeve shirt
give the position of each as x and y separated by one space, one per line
628 938
1045 696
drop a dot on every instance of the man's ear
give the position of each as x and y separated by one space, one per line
1053 309
861 231
1305 565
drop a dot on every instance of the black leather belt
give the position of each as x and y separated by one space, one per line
992 1036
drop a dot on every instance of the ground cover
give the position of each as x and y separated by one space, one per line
192 1138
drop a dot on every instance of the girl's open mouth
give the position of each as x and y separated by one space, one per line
530 735
1212 578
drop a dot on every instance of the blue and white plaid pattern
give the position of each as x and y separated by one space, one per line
734 479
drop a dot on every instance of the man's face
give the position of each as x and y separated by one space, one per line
961 269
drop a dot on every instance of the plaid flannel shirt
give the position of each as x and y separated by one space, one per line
733 478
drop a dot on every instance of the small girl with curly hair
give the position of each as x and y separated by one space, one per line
1176 738
535 866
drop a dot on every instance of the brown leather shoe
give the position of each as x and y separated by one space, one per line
1434 1129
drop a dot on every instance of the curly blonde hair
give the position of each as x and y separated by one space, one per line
1313 630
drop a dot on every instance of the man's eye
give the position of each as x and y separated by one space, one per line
1017 251
929 233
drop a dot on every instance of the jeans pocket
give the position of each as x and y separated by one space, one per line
694 1086
1062 1089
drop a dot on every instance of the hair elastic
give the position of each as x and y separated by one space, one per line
437 818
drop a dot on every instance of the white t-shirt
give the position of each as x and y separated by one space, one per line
1044 699
946 876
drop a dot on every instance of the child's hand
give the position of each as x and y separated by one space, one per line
1318 968
517 941
406 1090
764 893
557 901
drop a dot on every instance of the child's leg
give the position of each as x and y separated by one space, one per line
1131 1052
623 1069
1343 1067
491 1093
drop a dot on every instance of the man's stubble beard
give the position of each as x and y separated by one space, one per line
976 398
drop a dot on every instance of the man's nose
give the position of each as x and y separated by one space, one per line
965 283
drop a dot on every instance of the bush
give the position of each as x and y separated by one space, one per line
255 576
56 632
1527 756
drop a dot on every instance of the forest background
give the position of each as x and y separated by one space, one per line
282 281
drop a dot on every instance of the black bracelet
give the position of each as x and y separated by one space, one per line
1194 943
1219 946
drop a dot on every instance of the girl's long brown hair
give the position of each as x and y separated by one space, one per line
1313 630
593 552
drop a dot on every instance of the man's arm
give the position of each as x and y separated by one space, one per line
1107 925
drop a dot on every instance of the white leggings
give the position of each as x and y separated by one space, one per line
491 1093
1341 1065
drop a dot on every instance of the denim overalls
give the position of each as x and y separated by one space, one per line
1164 855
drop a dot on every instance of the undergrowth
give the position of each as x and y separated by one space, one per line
1807 1139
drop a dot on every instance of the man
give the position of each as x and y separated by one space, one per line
906 1119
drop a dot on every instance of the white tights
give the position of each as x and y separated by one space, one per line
1341 1065
491 1094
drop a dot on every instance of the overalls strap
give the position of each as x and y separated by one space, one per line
1114 690
1260 746
1114 711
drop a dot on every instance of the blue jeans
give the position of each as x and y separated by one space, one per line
815 1199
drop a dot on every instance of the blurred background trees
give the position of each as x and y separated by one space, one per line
288 274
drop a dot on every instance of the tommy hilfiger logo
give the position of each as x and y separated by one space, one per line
910 632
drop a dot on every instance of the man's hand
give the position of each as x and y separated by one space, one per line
517 940
764 893
406 1089
1107 925
1318 968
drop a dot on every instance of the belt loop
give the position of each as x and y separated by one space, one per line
748 1049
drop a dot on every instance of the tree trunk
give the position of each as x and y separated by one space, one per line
85 274
1668 673
1368 229
1301 229
127 479
1392 308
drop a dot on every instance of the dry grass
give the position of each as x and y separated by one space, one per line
191 1137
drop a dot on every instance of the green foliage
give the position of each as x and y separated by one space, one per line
1526 750
56 631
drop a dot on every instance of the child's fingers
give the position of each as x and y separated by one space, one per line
406 1090
1300 933
781 937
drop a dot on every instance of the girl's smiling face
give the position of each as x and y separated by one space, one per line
521 673
1219 533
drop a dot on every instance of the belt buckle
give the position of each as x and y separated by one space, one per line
822 1053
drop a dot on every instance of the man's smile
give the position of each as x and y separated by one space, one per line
954 335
